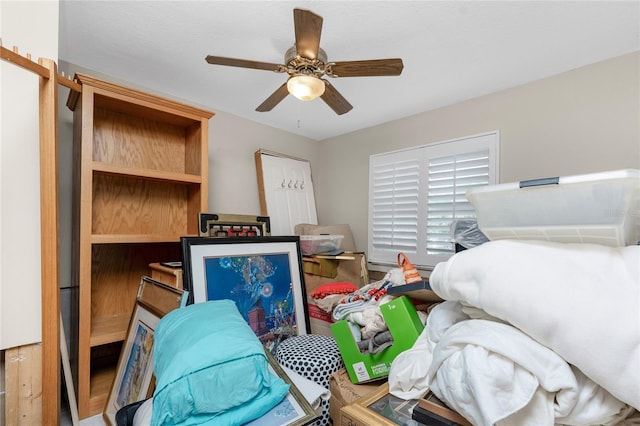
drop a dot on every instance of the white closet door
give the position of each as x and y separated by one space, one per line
288 193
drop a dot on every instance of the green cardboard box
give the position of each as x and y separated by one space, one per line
405 327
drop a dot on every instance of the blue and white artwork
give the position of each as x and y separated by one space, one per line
283 413
261 286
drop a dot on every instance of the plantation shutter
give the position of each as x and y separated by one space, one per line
416 194
449 179
394 204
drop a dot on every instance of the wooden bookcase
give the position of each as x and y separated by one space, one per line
140 180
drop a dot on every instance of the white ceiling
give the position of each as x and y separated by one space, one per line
452 50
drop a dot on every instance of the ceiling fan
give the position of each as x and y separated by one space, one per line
306 64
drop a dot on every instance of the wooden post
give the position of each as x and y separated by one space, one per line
49 245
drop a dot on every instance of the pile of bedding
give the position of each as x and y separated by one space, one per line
531 333
210 368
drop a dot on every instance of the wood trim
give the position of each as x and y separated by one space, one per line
69 84
157 101
260 175
83 129
277 154
26 63
50 289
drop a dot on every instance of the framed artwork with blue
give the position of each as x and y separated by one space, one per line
262 275
133 380
293 410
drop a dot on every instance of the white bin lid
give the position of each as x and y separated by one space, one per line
601 208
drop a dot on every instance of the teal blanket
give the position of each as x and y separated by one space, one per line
210 368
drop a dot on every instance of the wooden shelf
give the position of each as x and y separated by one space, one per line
101 380
142 177
146 173
110 329
136 238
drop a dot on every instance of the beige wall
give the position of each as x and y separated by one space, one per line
233 186
581 121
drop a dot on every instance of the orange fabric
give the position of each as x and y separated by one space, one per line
411 274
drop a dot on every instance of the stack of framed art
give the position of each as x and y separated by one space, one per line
133 381
263 275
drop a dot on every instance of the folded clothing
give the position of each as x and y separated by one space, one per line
361 299
211 367
377 343
328 303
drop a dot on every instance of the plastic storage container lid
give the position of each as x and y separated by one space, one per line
600 208
315 244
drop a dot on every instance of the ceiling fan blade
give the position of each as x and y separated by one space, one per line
275 98
335 100
243 63
369 68
308 27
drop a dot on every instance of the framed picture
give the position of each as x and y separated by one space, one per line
380 408
431 407
263 276
132 382
134 379
293 410
233 225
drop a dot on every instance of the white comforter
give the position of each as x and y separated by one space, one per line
566 347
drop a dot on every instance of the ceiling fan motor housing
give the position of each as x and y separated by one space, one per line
296 64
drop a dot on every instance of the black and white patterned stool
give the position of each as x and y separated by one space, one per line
315 357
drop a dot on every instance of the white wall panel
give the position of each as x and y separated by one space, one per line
32 27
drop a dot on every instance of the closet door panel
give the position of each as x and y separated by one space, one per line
287 192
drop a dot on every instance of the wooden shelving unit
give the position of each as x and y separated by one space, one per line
141 178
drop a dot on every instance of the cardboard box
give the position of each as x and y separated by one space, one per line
327 268
343 392
319 320
405 326
352 267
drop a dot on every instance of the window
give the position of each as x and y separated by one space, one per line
415 194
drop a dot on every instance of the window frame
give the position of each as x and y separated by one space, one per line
420 155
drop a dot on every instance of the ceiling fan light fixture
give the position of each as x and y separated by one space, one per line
305 87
